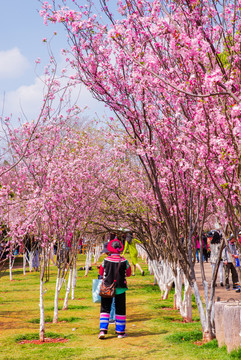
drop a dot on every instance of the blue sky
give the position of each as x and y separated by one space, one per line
21 34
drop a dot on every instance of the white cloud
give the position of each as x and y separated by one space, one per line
26 101
12 63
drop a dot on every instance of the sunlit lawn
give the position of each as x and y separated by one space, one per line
155 330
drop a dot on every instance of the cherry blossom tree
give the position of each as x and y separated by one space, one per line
170 73
58 188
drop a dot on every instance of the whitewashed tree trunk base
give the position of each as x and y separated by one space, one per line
74 279
59 283
11 261
142 253
41 299
24 263
65 306
163 275
41 307
183 302
31 261
97 254
150 269
88 261
207 335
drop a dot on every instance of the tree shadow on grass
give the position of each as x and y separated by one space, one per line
49 319
136 319
118 357
15 272
139 317
146 333
141 333
70 307
14 290
12 325
7 313
133 303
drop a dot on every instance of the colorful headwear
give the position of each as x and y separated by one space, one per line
115 246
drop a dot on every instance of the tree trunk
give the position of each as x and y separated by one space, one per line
59 283
142 253
186 306
150 268
65 306
183 303
88 261
164 276
10 267
178 289
41 307
41 301
74 278
30 261
206 327
97 254
24 263
210 310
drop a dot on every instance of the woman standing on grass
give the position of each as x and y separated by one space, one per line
108 270
130 244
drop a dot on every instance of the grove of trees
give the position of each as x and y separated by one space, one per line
167 164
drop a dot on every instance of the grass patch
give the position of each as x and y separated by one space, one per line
235 354
211 345
50 319
37 320
196 318
194 305
155 330
179 337
78 307
35 336
70 307
149 288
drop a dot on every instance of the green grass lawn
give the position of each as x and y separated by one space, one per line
155 330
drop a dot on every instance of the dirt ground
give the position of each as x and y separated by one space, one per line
220 292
